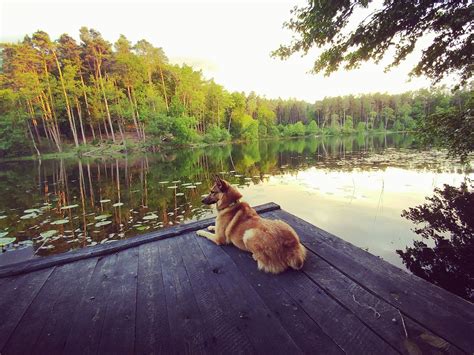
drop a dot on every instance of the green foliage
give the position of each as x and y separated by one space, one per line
397 126
93 92
244 126
396 25
182 128
294 130
451 128
312 128
348 125
216 134
250 131
333 130
361 127
13 140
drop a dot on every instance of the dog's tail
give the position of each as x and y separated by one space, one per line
297 259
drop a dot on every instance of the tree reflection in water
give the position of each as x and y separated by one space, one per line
446 222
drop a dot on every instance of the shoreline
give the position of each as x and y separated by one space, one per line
119 150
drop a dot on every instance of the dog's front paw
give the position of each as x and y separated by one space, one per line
201 233
211 228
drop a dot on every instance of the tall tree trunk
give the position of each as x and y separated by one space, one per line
50 107
164 89
133 112
92 130
32 138
106 105
66 99
150 83
79 114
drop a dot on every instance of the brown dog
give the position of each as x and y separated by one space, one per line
273 243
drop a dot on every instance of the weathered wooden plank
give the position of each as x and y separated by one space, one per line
341 325
220 320
187 334
305 331
16 295
55 332
440 311
37 315
118 330
261 326
152 326
109 248
380 316
87 323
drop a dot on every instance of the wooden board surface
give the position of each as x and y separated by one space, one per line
185 294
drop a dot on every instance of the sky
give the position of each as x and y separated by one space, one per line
229 40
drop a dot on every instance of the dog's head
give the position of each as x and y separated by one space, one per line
222 193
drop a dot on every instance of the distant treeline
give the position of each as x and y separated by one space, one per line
58 93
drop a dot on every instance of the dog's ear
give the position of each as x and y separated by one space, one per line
221 184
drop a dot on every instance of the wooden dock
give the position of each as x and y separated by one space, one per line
174 292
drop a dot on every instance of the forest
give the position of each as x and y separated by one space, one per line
60 95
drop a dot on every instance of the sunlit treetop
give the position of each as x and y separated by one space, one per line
396 24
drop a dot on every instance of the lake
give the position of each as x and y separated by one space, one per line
355 187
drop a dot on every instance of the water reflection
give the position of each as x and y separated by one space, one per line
445 255
354 187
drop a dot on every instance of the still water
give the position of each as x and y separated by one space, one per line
355 187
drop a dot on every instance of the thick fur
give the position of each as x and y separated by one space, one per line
274 245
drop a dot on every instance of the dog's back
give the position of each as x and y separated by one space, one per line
274 245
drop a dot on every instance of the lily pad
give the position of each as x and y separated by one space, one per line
172 187
180 194
102 223
191 187
48 234
104 201
60 221
150 216
118 204
32 210
29 216
5 241
102 216
142 228
69 207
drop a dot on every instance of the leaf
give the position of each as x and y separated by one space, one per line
411 347
28 216
2 217
104 201
435 341
69 207
5 241
102 216
102 223
2 234
118 204
32 210
142 228
48 234
60 221
150 216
